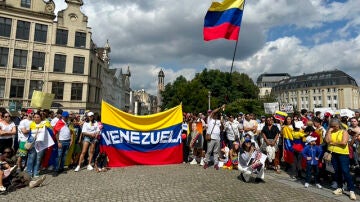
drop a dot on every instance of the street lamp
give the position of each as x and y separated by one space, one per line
209 96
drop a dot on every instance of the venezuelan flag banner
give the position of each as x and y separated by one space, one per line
223 20
141 140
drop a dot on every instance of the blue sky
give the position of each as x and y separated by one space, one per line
276 36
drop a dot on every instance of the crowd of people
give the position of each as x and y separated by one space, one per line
304 144
23 158
308 146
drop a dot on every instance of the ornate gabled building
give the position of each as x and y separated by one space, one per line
334 89
59 57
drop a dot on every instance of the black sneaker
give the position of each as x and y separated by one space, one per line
259 180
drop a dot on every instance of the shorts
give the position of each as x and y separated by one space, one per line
90 140
21 152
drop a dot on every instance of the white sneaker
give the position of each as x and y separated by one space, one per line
51 168
193 162
318 186
202 162
37 182
352 195
89 167
2 188
306 185
77 168
338 191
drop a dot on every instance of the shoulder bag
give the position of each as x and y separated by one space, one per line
208 136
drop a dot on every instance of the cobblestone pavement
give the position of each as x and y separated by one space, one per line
181 182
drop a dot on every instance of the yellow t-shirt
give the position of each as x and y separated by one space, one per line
337 137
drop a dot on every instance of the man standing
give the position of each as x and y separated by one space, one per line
57 117
214 128
232 128
64 140
250 125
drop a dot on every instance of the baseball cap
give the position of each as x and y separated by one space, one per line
90 114
310 139
240 113
29 111
65 114
327 114
247 140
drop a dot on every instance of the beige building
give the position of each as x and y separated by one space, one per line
59 57
144 103
331 89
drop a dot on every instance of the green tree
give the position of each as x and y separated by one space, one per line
224 87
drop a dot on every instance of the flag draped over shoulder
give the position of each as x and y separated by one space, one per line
223 20
288 154
141 140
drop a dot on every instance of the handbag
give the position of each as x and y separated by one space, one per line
29 144
208 136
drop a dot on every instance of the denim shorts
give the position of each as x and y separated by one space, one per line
90 140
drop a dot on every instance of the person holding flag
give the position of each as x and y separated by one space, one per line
64 139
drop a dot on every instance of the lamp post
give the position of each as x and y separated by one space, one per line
209 96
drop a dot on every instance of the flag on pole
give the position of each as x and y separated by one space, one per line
223 20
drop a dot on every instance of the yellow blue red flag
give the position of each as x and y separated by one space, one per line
141 140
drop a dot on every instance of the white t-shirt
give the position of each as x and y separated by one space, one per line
249 124
7 128
64 133
232 130
24 124
214 128
89 127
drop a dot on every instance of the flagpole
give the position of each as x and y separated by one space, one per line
233 59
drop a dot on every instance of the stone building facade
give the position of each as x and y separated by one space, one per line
59 57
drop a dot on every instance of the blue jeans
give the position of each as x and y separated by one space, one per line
61 157
341 164
34 162
309 168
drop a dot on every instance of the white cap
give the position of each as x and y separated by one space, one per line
90 114
310 139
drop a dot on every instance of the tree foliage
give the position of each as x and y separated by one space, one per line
236 89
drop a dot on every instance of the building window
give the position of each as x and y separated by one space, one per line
59 63
20 58
335 97
314 90
76 91
319 98
328 90
4 53
329 105
2 87
26 3
329 98
314 98
40 33
35 85
17 88
80 39
38 61
22 30
61 37
5 27
335 105
78 66
334 90
58 90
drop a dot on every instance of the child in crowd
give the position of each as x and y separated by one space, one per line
196 144
101 162
312 153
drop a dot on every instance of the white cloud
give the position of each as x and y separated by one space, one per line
150 35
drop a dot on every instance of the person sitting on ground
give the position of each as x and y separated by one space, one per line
7 166
101 162
234 155
312 154
195 144
251 160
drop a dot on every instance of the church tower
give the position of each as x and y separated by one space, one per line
161 87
